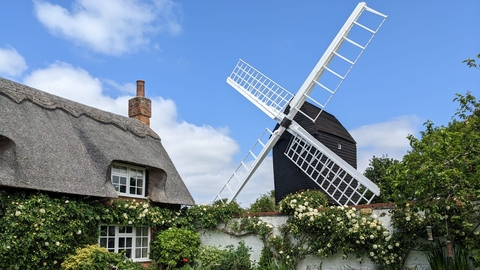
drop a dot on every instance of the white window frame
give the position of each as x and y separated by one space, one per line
116 238
130 175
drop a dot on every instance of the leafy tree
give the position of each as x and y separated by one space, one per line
376 171
440 175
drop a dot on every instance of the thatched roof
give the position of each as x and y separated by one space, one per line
54 144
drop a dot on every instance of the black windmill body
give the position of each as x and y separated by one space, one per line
288 176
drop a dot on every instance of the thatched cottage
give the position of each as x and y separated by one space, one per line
52 144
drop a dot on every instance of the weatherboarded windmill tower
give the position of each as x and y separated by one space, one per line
288 176
336 177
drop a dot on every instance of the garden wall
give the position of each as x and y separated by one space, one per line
217 238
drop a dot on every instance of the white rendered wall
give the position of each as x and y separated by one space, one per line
217 238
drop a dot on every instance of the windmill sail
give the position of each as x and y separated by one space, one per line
338 179
273 100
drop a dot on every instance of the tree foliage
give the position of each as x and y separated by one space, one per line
376 172
441 173
265 203
471 62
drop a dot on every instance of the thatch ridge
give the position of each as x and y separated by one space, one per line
21 93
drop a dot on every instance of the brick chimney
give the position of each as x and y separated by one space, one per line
140 107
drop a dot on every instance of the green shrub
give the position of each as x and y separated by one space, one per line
209 256
216 258
210 216
265 203
235 258
437 258
95 257
174 247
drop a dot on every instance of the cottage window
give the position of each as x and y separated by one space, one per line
135 241
128 180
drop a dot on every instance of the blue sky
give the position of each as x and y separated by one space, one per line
93 52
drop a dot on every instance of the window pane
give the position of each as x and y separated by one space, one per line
145 231
129 229
123 180
103 230
123 189
139 191
111 243
111 230
103 242
121 229
132 190
144 253
121 242
115 179
138 242
145 241
139 182
138 231
138 253
119 169
128 253
129 242
133 181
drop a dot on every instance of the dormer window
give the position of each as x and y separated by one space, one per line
128 180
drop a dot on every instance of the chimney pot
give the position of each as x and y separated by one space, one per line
140 107
140 88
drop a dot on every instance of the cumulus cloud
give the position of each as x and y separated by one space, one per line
202 154
11 62
125 88
385 138
111 27
65 80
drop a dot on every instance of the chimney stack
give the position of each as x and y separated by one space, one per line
140 107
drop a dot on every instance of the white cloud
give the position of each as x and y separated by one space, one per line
202 154
65 80
111 27
11 62
126 88
385 138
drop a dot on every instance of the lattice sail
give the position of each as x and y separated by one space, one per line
331 173
266 94
339 58
252 160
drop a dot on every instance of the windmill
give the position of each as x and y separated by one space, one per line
332 174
